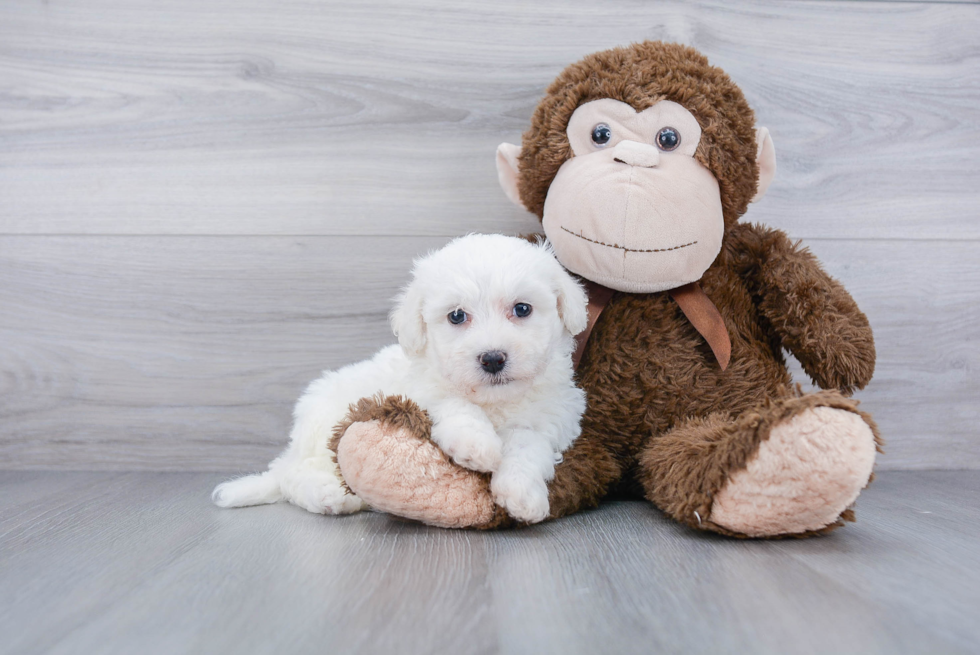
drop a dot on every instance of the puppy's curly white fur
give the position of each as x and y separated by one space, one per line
485 331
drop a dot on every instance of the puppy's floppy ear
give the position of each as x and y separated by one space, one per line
406 319
573 301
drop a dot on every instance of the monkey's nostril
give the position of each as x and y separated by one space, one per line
633 153
493 361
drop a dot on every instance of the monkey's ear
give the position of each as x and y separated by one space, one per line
507 154
766 158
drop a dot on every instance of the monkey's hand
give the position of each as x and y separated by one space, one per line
811 312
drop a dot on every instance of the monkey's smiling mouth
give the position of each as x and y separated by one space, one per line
624 248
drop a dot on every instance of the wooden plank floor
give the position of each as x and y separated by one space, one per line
143 563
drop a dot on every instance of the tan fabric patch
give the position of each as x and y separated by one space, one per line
395 472
809 470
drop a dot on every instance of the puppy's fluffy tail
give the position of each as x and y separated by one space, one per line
259 489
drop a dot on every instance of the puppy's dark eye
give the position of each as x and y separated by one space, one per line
457 316
522 309
668 139
601 135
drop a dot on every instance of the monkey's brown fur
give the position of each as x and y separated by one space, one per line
663 420
642 75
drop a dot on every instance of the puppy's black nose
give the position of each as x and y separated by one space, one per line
493 361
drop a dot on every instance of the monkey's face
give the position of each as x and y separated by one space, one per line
633 209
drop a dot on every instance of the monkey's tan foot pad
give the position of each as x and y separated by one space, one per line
395 470
803 477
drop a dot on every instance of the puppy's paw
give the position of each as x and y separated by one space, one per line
323 494
329 501
525 498
471 444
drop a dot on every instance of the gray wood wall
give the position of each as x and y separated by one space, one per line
204 203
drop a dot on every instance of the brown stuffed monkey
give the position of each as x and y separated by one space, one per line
640 162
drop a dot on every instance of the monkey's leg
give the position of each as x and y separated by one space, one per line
791 467
386 457
587 471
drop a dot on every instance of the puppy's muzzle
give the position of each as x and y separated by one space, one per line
493 361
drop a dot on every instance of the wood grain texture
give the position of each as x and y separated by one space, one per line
179 353
201 206
244 117
141 562
923 301
187 353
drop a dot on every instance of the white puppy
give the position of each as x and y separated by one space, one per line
485 331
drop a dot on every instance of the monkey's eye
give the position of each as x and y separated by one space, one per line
522 309
668 139
601 135
457 316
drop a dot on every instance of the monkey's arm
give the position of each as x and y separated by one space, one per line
814 316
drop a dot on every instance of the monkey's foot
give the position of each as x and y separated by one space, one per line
387 459
803 478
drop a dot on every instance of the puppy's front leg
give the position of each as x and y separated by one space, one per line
463 431
519 485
